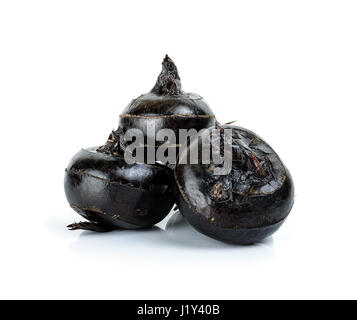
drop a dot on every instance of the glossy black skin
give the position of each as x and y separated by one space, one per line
105 190
167 106
244 215
184 111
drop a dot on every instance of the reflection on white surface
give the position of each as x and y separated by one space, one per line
173 238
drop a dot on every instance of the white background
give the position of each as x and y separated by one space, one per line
284 69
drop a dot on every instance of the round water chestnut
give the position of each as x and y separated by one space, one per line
244 206
167 106
110 193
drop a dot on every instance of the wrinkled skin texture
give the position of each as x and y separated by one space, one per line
105 190
167 106
245 206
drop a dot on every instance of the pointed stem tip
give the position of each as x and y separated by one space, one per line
168 82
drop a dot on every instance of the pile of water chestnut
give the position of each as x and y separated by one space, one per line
243 206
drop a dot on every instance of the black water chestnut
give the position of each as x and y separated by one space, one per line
167 106
246 205
110 193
